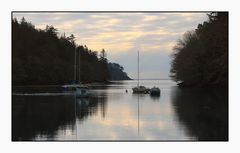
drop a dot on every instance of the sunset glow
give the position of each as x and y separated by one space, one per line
123 34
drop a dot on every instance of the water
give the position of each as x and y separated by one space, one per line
50 114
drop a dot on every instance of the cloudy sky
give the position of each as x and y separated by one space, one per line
123 34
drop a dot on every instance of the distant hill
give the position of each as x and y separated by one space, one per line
117 72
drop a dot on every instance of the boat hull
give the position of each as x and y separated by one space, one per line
140 90
155 91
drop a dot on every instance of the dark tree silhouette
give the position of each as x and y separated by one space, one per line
41 57
201 57
117 72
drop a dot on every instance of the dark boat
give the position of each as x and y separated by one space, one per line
155 91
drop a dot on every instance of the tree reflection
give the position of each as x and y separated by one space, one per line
86 107
32 115
45 115
204 112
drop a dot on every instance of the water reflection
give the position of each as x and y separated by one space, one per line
51 117
113 114
204 112
35 116
87 107
155 98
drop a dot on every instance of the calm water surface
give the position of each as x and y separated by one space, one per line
48 113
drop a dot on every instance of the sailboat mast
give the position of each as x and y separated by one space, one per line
138 68
79 77
75 64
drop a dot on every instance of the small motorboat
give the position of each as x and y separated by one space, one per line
155 91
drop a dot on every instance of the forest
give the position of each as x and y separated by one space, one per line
117 72
44 57
200 57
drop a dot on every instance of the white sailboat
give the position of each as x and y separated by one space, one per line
140 89
80 89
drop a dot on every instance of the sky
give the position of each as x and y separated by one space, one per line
123 34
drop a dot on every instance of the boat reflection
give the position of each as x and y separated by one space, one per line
177 114
83 102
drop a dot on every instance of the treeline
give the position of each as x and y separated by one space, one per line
117 72
42 57
200 58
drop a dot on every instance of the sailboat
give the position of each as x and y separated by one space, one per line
140 89
81 90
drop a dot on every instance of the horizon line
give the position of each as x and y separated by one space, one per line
153 79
